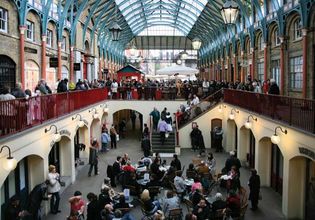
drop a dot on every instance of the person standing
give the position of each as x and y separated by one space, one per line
93 159
53 188
133 118
116 170
113 136
146 132
155 117
254 187
105 139
162 128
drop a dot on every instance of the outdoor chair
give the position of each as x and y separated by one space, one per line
175 214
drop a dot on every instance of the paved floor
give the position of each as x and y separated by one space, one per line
269 207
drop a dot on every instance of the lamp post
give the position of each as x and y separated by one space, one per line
57 136
95 114
10 163
232 116
229 12
221 108
105 107
249 124
275 139
81 122
115 29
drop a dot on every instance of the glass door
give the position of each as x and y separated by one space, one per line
275 71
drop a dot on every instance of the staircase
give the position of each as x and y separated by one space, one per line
169 144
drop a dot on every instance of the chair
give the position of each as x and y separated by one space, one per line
189 205
219 214
145 212
175 214
243 196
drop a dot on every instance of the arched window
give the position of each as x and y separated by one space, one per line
297 29
275 41
260 43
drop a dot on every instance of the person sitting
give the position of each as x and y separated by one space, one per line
201 210
108 212
202 168
170 202
155 168
191 171
180 184
104 198
218 203
196 196
196 184
128 167
93 211
176 162
233 204
149 205
122 203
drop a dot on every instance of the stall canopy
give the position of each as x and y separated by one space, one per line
180 70
129 72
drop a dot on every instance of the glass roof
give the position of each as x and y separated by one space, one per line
175 14
161 30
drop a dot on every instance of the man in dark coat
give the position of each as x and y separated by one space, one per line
156 117
254 187
116 170
274 88
62 86
146 146
93 159
37 195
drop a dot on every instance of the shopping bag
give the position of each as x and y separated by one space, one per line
117 137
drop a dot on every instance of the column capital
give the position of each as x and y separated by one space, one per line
252 49
59 43
304 32
265 44
22 29
44 37
281 39
71 48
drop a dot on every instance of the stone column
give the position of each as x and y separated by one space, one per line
282 47
265 61
304 46
44 38
235 67
59 60
242 67
71 63
253 69
223 69
22 55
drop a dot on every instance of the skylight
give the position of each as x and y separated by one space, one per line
152 14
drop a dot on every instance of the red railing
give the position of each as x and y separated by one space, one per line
299 113
20 114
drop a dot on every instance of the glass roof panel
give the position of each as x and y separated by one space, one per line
163 11
161 30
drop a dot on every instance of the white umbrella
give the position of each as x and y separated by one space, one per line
181 70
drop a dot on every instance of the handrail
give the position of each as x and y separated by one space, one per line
204 105
296 112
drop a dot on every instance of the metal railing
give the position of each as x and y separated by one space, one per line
299 113
19 114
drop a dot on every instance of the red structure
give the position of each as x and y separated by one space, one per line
129 72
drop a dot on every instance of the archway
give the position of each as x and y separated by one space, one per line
31 74
215 123
231 136
96 130
276 169
28 173
301 196
80 146
7 71
243 149
128 122
264 160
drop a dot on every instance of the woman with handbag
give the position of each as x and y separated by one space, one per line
53 184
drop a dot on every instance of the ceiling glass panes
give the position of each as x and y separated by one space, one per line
141 14
161 30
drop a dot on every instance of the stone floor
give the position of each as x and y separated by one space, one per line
269 207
